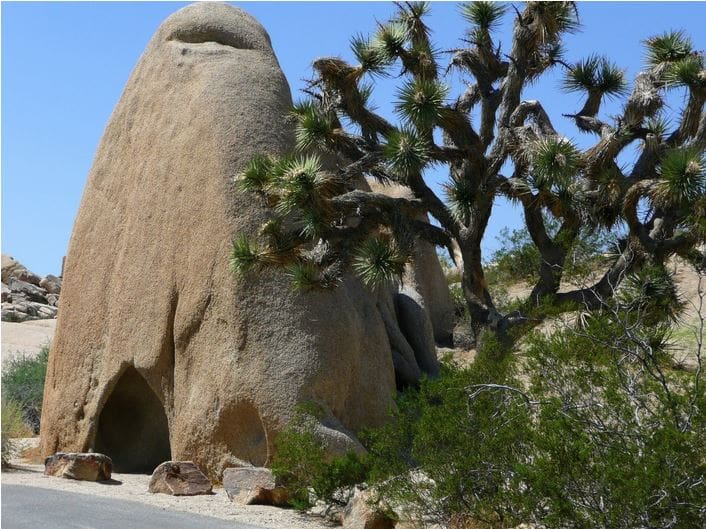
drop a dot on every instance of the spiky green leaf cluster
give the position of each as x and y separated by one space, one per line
411 16
651 293
245 256
256 175
305 276
274 234
313 223
595 74
379 260
460 195
313 126
658 125
669 47
390 40
486 16
606 206
406 152
682 179
303 186
553 19
421 102
413 10
307 273
689 72
370 55
555 162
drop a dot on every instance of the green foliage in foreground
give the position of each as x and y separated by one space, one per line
12 426
23 382
602 435
586 428
302 465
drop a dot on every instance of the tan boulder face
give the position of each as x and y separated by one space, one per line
160 353
425 275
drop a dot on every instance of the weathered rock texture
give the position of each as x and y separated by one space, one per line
86 467
179 478
160 352
253 485
25 295
362 513
425 275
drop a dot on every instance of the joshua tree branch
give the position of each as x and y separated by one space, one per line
535 109
593 297
434 204
689 123
369 200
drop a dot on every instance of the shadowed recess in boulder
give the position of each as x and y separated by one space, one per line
241 426
132 427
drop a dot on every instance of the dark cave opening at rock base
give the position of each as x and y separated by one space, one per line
132 427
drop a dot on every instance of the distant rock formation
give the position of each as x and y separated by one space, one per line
161 352
25 295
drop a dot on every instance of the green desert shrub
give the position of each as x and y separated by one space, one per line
23 382
452 445
588 427
518 259
584 427
618 438
12 426
303 465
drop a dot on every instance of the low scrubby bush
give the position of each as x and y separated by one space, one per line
453 443
23 382
303 465
12 426
587 427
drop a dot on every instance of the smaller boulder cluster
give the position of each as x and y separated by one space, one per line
27 296
243 486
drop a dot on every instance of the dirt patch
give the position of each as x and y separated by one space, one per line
26 338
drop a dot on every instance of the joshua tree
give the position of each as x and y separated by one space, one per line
326 220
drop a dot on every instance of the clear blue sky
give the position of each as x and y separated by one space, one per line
64 66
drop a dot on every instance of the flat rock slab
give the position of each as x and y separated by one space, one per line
179 478
81 466
253 485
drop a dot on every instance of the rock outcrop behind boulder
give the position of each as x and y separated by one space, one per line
425 275
25 295
160 352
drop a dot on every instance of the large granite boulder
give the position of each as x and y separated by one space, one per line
160 352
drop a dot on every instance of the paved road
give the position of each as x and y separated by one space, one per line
36 508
